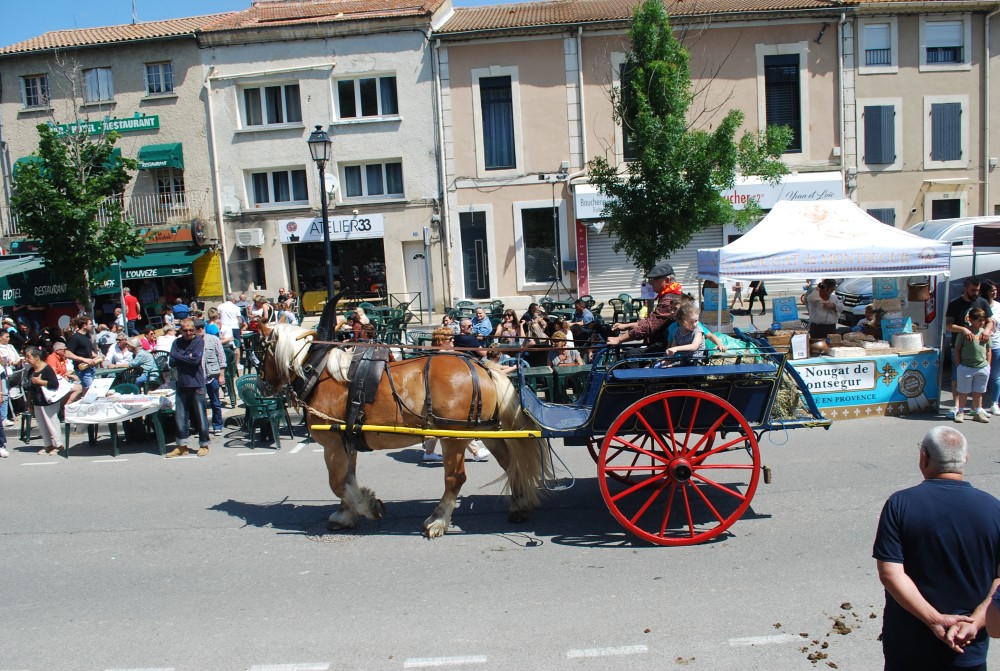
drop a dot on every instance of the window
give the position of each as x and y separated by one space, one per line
97 85
497 104
781 90
169 185
878 46
271 105
159 78
887 215
540 253
35 91
944 43
496 114
373 180
279 187
880 127
367 97
946 133
950 208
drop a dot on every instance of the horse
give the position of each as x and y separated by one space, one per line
444 391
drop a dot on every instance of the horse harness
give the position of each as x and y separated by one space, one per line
365 374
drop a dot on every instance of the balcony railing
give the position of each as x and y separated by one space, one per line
142 210
878 56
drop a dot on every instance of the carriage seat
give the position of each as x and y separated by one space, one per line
742 369
553 416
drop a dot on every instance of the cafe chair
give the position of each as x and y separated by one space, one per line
258 408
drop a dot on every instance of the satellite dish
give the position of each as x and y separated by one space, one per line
64 322
332 184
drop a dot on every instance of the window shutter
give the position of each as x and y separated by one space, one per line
781 91
880 134
887 215
946 131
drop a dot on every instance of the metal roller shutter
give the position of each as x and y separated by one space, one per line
612 274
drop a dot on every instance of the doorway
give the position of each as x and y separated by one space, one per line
414 262
475 254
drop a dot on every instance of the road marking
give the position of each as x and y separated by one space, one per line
41 463
255 454
297 448
108 461
763 640
607 652
308 666
319 450
169 668
424 662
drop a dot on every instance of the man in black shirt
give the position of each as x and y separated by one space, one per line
465 338
82 351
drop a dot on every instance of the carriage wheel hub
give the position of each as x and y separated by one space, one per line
680 470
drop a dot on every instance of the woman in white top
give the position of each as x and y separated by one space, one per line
10 359
988 290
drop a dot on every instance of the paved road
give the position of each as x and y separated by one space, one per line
223 563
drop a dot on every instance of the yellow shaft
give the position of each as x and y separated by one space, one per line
437 433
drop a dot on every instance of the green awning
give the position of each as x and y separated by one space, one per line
161 156
28 160
159 264
27 282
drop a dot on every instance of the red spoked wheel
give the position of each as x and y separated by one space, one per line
667 479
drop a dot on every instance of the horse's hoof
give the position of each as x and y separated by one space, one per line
378 509
435 529
335 526
517 517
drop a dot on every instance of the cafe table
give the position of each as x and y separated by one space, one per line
115 409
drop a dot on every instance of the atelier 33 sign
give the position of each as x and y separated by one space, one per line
353 227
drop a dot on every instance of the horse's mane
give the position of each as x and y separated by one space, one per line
290 353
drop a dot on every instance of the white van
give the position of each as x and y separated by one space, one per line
857 293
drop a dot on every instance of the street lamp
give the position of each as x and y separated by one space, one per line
319 146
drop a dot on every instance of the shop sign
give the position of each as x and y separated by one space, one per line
108 124
342 228
588 202
803 187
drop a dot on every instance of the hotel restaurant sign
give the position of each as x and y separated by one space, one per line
108 124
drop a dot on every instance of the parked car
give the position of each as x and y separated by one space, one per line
857 292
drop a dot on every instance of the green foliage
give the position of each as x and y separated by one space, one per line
58 198
673 188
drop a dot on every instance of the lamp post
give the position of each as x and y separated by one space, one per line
319 147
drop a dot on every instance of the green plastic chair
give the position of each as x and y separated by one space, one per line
271 409
231 374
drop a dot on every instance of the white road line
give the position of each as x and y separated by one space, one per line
319 450
607 652
297 448
169 668
308 666
41 463
424 662
108 461
763 640
255 454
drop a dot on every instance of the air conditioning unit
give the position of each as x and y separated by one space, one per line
249 237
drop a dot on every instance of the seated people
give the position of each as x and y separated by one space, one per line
688 339
562 355
652 329
466 338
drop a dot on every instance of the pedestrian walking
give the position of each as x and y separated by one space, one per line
214 363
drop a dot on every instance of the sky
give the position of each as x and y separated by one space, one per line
20 20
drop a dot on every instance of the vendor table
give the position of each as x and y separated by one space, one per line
114 410
872 386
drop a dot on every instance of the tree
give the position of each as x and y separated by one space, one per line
674 186
69 199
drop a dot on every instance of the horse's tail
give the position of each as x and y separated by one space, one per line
528 461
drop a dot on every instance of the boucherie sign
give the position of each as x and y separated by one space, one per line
800 188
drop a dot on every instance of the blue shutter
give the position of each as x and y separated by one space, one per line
781 96
880 134
946 131
887 215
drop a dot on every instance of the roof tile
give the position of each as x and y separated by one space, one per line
84 37
297 12
558 12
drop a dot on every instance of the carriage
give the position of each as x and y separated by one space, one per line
676 445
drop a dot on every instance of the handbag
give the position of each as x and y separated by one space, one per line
57 394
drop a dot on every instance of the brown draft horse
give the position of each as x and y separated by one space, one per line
400 401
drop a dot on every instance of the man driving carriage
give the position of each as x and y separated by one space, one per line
653 328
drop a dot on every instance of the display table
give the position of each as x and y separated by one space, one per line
872 386
120 408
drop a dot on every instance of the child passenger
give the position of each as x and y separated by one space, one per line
688 341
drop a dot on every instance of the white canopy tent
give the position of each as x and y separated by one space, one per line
830 238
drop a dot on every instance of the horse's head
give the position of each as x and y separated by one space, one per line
282 351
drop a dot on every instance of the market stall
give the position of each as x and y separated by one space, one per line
803 241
